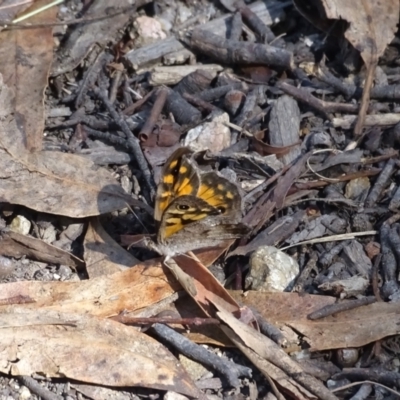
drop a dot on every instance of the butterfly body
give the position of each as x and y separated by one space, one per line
194 209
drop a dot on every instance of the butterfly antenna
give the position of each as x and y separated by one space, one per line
190 255
133 243
140 222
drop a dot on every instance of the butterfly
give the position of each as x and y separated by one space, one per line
194 209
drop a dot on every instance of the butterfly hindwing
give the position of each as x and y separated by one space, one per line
183 211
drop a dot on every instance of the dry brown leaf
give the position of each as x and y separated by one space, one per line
8 12
13 244
103 255
54 182
109 295
281 307
25 61
353 328
87 349
372 23
265 149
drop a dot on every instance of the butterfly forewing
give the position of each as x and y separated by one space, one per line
179 177
195 209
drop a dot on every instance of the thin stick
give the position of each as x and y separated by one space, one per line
333 238
131 139
39 10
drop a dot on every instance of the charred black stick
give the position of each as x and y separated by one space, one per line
389 92
389 265
388 378
340 307
127 96
90 76
326 258
394 204
268 329
323 107
255 23
220 91
248 108
133 107
161 97
236 27
106 136
183 112
394 240
195 82
304 274
199 103
229 51
38 389
380 183
323 74
132 141
231 371
115 85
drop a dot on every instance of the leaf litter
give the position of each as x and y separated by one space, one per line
56 328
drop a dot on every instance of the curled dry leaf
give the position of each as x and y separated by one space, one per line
265 149
87 349
13 244
372 23
54 182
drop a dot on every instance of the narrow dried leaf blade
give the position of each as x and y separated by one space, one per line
25 60
13 244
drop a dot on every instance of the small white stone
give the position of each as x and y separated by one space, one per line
56 277
126 184
271 270
214 135
24 393
149 28
174 396
21 225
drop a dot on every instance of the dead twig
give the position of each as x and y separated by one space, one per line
133 142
